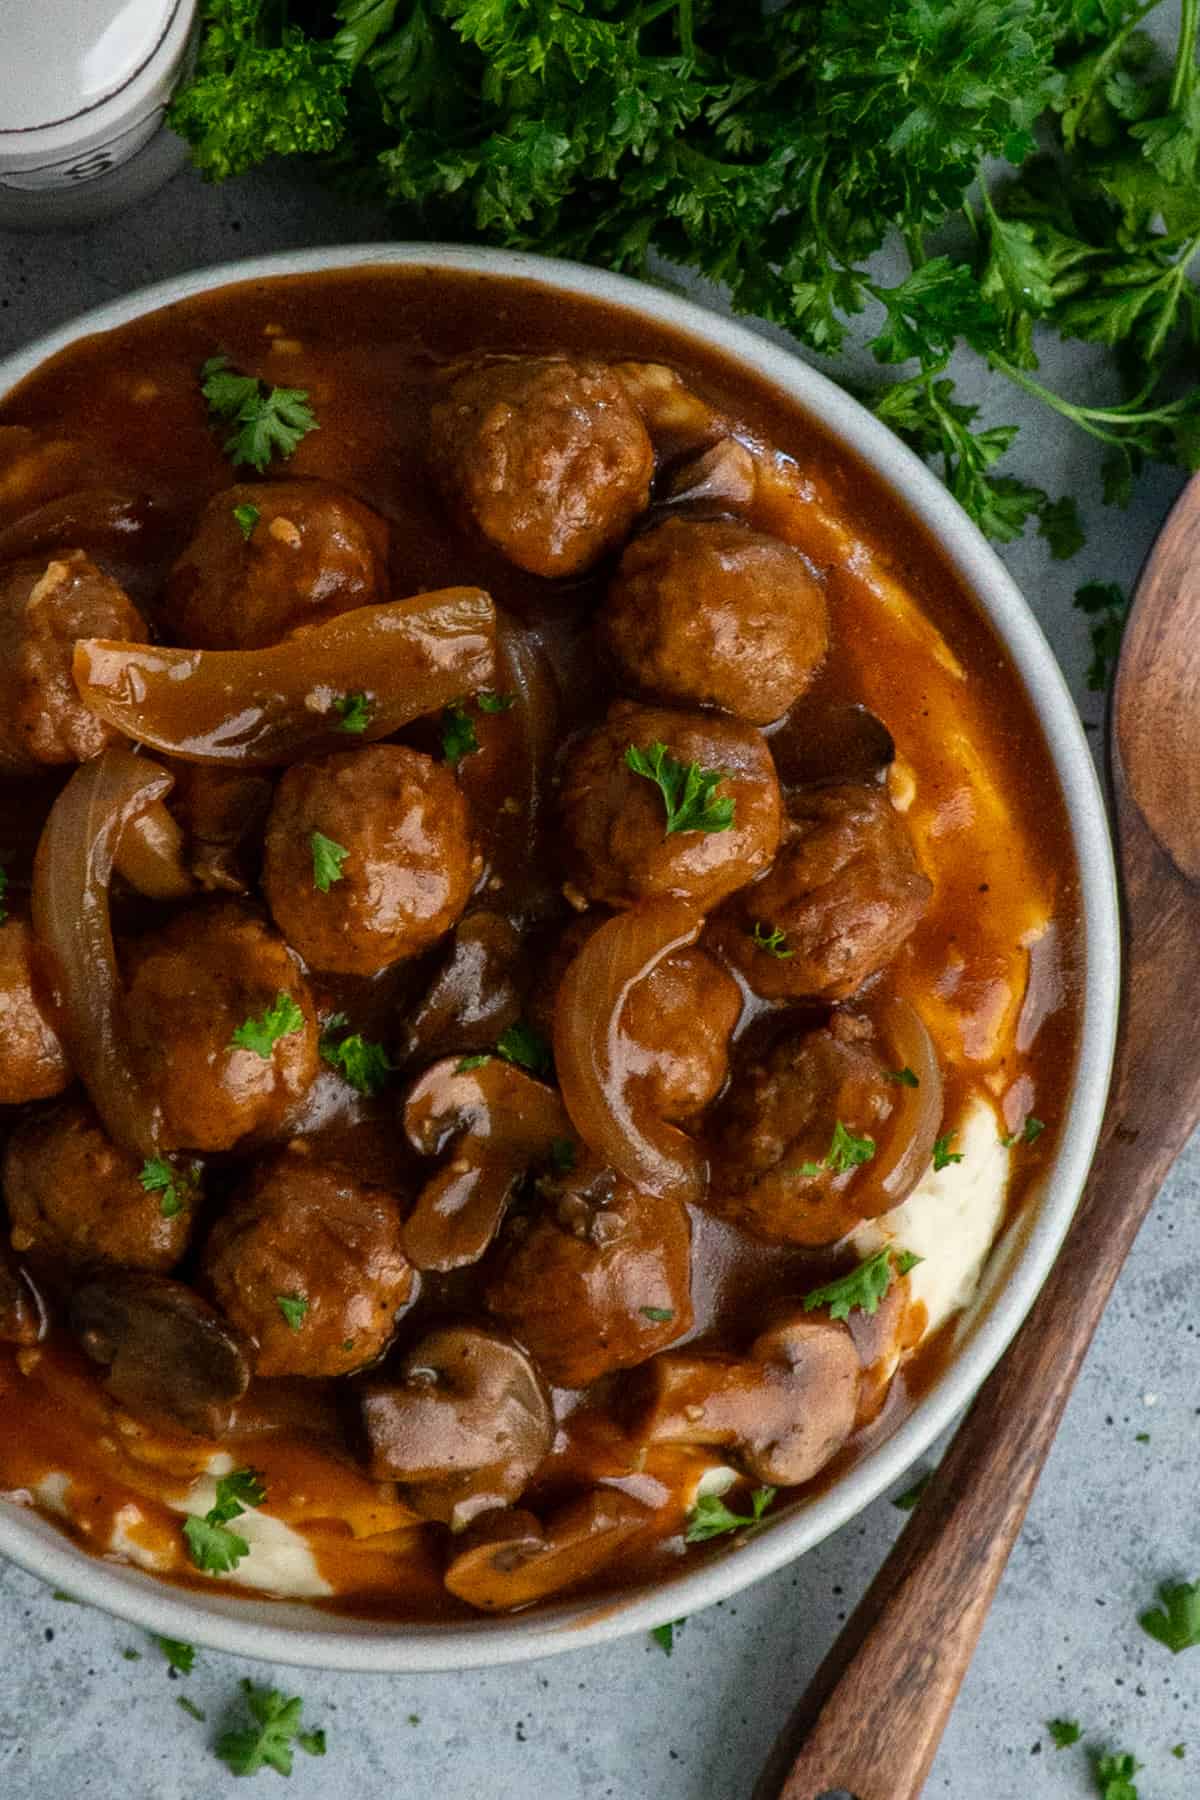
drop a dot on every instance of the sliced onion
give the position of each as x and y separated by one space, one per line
262 707
914 1124
589 1051
71 875
150 856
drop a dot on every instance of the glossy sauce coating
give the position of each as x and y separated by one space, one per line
972 779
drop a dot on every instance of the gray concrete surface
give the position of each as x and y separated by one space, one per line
1113 1515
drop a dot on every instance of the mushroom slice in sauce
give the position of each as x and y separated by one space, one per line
462 1423
496 1123
508 1559
171 1357
474 997
781 1412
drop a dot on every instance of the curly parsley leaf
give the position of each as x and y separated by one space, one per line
664 1635
365 1064
327 860
522 1045
214 1548
235 1492
354 712
294 1308
1176 1623
904 1077
772 939
247 517
268 1742
268 421
688 791
459 737
845 1152
1114 1773
176 1187
494 703
710 1517
181 1656
283 1017
943 1155
864 1287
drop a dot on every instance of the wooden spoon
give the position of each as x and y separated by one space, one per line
869 1726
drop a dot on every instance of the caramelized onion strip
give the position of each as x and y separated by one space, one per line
262 707
588 1051
917 1118
71 875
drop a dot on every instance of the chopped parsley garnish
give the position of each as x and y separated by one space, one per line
710 1517
864 1287
354 712
1114 1773
158 1176
688 791
181 1656
214 1547
911 1497
845 1152
247 517
189 1706
658 1315
267 421
522 1045
1029 1133
1064 1732
664 1635
267 1743
294 1308
494 703
3 891
772 940
905 1077
327 860
365 1064
943 1155
1177 1622
458 733
283 1017
465 1064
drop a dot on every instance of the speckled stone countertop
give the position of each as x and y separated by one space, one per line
1113 1516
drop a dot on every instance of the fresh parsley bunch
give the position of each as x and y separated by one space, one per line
1037 160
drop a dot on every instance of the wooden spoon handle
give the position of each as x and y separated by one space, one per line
871 1721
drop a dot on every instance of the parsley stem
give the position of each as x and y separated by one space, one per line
1183 80
914 244
1103 63
687 41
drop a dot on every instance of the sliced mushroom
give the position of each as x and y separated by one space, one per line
474 996
827 742
782 1412
171 1358
462 1423
723 476
509 1560
23 1316
497 1123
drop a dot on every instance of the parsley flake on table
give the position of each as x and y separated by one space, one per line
943 1155
353 711
327 860
664 1635
688 791
710 1517
1064 1732
158 1176
1177 1622
522 1045
864 1287
283 1017
181 1656
267 1743
365 1064
1106 606
912 1496
771 939
1114 1772
268 421
294 1308
247 517
458 733
193 1711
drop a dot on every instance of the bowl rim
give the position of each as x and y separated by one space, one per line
285 1632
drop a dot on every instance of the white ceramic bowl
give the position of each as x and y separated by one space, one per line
291 1633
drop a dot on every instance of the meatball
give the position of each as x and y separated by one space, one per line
546 456
44 608
708 612
398 869
214 970
676 1023
308 1263
34 1064
845 892
269 556
620 847
777 1170
73 1195
599 1281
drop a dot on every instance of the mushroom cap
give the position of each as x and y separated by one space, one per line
474 996
171 1357
462 1421
509 1560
